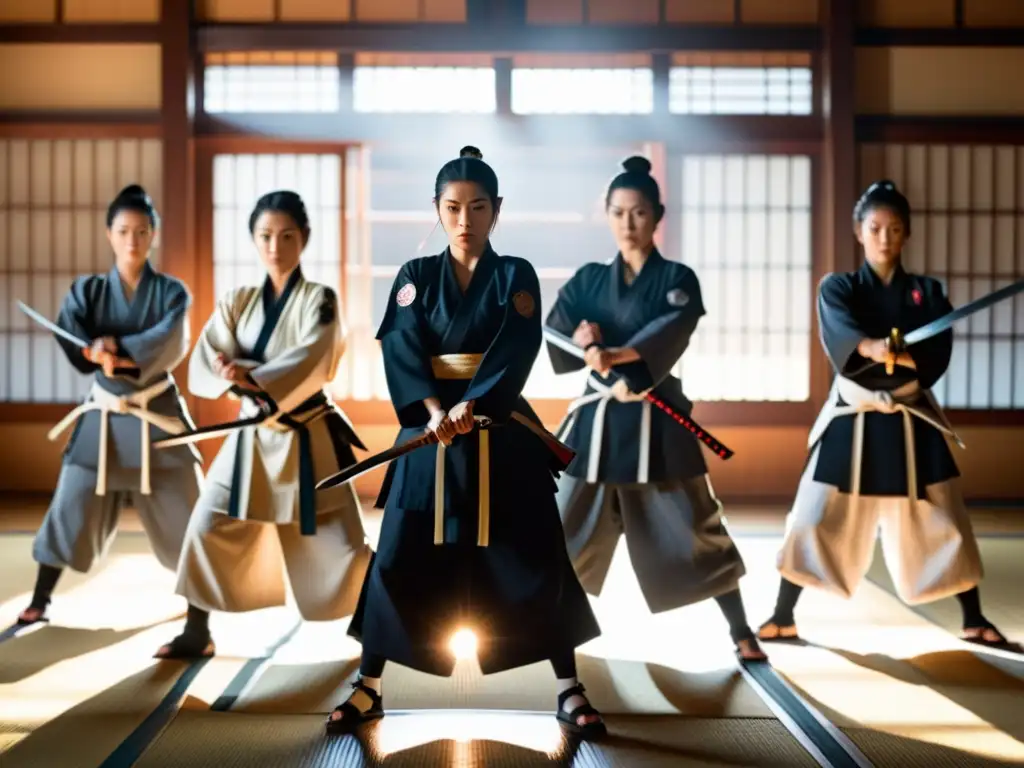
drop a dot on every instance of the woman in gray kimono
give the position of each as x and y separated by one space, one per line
636 471
276 347
879 457
134 323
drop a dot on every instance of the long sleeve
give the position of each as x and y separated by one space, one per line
932 356
840 331
160 348
406 358
564 317
75 317
662 341
216 338
499 381
302 370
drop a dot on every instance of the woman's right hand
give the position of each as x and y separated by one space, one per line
586 334
441 426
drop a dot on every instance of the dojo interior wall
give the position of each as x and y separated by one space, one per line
54 188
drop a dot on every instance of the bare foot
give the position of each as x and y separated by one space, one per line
580 701
772 631
987 635
749 650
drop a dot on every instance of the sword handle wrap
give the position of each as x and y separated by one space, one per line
895 346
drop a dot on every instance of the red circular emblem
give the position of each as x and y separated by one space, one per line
916 296
406 295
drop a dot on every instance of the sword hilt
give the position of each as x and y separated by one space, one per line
894 344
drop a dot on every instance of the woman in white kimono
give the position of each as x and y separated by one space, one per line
133 322
275 346
879 456
637 472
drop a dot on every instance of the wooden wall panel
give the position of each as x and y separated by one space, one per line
235 10
776 12
17 11
93 77
387 10
994 13
700 11
621 12
940 81
316 10
906 13
106 11
554 11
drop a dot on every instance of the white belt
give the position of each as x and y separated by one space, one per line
861 400
602 397
135 404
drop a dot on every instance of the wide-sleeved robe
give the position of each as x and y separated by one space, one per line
259 500
471 535
108 460
636 471
879 454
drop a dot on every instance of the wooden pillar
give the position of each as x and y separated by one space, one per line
177 236
836 179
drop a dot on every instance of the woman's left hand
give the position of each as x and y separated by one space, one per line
461 417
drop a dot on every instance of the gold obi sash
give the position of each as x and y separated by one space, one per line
462 367
902 400
135 404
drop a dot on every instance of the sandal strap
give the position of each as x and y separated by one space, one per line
568 693
347 707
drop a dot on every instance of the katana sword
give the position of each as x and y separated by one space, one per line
379 459
66 335
898 341
566 344
267 409
53 327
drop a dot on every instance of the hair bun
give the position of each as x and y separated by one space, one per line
886 184
637 164
132 190
470 151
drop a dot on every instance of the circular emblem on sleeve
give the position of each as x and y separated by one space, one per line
524 304
677 298
406 295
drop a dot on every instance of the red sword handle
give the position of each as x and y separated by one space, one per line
720 450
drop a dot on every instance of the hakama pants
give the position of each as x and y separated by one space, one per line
678 544
80 526
235 565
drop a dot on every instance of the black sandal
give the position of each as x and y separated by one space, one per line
570 720
43 618
754 646
1001 644
783 632
351 716
188 646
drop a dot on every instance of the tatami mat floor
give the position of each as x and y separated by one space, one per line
80 692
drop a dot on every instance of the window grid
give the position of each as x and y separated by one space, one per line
421 90
271 83
239 180
741 90
968 231
746 231
53 202
572 91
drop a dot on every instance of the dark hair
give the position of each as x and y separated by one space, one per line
468 166
882 194
132 198
281 201
636 175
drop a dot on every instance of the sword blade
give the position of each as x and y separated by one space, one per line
944 323
52 327
210 432
366 465
563 342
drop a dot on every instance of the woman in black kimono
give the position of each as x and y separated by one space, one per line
636 471
471 536
878 451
